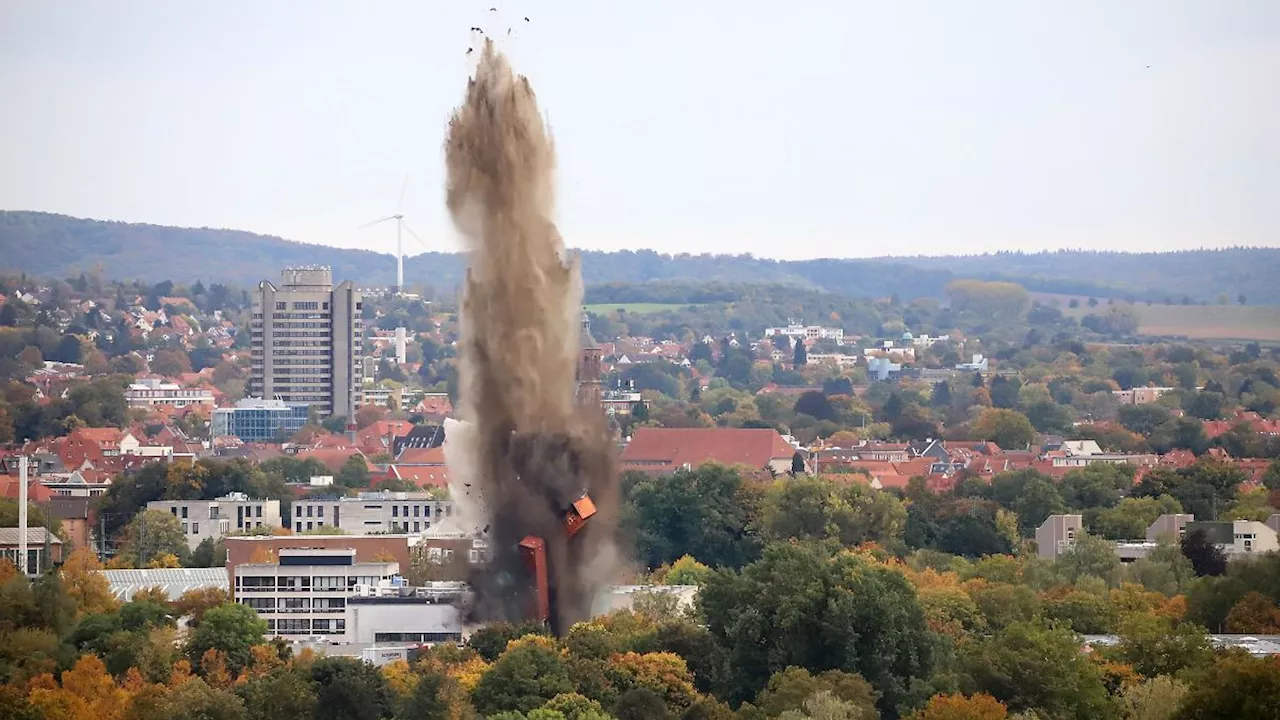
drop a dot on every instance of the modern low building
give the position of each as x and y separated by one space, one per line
1057 535
1237 537
256 420
215 519
146 392
393 612
305 590
371 512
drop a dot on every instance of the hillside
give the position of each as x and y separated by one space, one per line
45 244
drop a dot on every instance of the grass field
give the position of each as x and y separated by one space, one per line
637 308
1204 322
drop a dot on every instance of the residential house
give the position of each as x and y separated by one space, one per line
664 450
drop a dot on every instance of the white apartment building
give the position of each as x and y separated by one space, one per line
798 331
153 391
371 512
215 519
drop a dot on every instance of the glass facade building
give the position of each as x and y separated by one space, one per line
259 420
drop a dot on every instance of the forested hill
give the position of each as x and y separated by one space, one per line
45 244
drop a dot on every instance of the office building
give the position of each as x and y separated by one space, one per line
304 592
255 420
371 512
146 392
214 519
306 342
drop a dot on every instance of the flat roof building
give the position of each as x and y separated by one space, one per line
306 342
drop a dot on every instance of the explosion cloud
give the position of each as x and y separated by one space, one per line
527 450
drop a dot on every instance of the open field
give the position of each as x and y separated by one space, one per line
1202 322
637 308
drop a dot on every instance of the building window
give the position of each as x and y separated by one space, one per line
416 527
319 511
310 509
416 509
297 510
297 526
195 528
281 306
309 526
395 512
184 512
258 511
184 528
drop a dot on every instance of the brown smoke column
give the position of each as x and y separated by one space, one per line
533 450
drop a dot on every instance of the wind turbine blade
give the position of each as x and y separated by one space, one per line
415 235
403 186
375 222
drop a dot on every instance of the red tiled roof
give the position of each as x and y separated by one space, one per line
10 485
333 458
422 476
421 456
668 448
379 436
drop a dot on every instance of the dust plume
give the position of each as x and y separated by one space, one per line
529 451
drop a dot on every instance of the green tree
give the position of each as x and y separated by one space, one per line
427 701
848 514
704 512
524 678
1237 687
153 533
195 700
1090 556
233 629
1030 666
801 356
354 472
1156 646
789 690
686 571
1156 699
799 606
1131 517
1009 429
1206 557
282 693
348 689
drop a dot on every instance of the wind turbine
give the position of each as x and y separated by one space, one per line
400 229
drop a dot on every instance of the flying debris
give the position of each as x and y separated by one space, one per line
470 50
526 19
479 30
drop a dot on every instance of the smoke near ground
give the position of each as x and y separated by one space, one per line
528 451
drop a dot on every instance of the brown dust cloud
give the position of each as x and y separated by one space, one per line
526 450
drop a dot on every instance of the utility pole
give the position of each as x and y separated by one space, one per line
22 514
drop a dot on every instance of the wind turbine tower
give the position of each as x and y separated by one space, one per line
400 229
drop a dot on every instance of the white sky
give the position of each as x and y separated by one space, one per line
796 129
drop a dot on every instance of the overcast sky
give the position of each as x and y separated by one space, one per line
793 129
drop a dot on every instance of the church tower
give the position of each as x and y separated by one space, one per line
589 386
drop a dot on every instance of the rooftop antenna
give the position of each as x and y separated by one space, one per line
400 229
